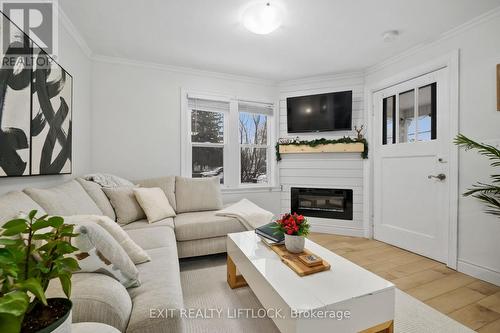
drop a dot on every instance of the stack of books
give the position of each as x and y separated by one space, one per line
270 235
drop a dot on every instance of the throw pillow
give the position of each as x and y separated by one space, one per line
126 207
154 202
99 252
95 191
193 195
167 184
134 251
66 199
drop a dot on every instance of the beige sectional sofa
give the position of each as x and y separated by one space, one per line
100 298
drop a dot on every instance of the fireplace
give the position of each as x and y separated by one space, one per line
322 202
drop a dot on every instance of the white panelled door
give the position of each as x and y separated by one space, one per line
411 192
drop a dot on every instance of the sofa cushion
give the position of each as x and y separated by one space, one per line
16 202
154 203
123 200
194 195
66 199
153 237
168 222
161 289
167 184
200 225
201 247
95 191
96 298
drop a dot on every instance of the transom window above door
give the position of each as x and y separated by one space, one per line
410 116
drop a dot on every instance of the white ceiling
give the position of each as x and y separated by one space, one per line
317 36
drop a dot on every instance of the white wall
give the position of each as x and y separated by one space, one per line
136 117
134 127
76 62
478 245
343 170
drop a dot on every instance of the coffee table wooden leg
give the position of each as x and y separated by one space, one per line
387 327
234 280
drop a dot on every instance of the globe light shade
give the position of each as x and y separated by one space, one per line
262 18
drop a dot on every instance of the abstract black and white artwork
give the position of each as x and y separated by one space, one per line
35 110
15 102
51 117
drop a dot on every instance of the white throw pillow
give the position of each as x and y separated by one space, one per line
155 203
197 194
134 251
99 252
124 203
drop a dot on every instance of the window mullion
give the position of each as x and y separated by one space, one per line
233 156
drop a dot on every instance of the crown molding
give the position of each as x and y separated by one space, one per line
182 70
494 13
73 31
321 78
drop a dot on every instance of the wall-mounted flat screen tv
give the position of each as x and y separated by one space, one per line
320 113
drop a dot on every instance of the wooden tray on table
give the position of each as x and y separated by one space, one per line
292 260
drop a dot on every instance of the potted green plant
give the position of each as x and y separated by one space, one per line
487 193
34 251
295 228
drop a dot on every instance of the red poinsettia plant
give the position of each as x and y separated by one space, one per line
293 224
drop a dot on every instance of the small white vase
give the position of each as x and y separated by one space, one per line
294 244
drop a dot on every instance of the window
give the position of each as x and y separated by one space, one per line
410 114
207 138
389 114
254 142
229 139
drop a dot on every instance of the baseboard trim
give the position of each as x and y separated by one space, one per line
338 230
480 272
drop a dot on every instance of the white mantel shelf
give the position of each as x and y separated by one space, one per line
357 147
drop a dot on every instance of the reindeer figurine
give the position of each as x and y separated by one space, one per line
359 131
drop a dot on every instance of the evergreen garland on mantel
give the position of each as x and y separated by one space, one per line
323 141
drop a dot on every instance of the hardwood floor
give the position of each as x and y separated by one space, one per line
472 302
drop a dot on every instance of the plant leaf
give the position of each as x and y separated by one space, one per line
14 223
34 286
7 241
10 323
56 221
66 284
32 214
14 303
70 264
14 229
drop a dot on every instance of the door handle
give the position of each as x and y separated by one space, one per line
440 176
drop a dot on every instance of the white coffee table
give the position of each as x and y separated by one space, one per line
343 290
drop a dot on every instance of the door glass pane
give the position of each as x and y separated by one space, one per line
407 123
427 113
388 129
208 162
253 165
253 128
207 127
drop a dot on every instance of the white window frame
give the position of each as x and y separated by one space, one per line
232 153
268 146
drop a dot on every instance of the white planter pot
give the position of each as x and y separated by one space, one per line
294 244
65 327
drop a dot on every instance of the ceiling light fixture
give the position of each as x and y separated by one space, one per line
262 18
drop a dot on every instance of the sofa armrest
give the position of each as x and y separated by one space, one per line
96 298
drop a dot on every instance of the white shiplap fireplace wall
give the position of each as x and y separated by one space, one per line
325 170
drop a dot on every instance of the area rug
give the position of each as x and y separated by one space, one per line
214 307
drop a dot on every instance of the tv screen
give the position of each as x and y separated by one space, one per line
320 113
